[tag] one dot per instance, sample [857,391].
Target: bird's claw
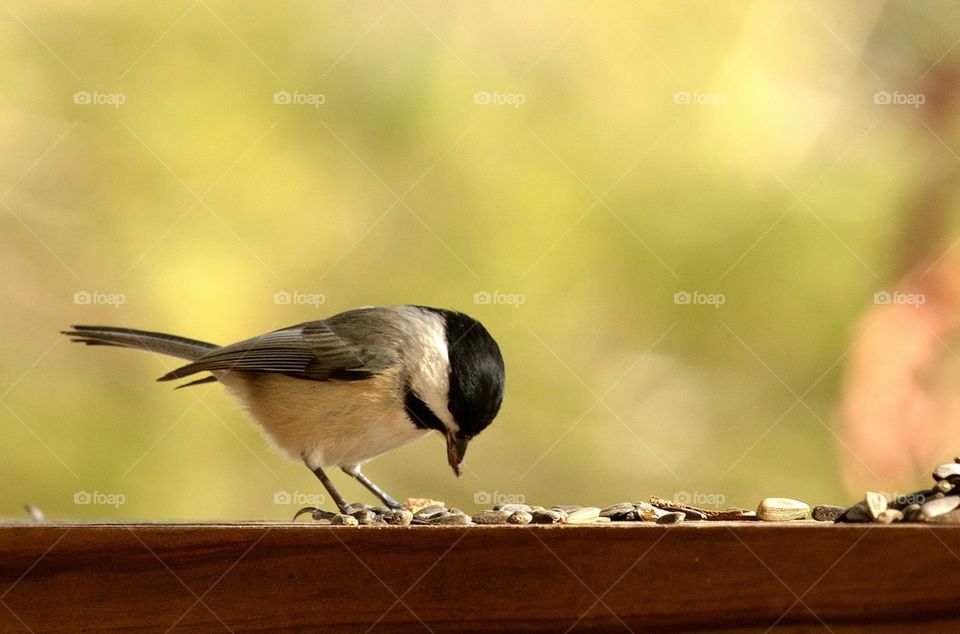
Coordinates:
[315,513]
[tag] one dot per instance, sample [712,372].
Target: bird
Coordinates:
[340,391]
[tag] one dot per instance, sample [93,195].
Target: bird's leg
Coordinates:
[388,501]
[332,490]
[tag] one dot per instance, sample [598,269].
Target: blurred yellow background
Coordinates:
[672,216]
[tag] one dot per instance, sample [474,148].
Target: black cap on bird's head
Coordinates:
[476,381]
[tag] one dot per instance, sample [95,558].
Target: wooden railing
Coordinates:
[267,576]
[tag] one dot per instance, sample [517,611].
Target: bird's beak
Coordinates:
[456,448]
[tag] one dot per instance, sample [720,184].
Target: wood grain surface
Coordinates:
[267,576]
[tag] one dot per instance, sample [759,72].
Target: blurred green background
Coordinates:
[559,170]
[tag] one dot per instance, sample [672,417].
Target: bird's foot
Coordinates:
[315,513]
[349,509]
[390,503]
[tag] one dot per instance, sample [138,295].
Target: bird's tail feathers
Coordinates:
[158,342]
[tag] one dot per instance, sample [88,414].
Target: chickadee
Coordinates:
[343,390]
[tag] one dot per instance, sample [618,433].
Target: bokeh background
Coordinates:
[560,170]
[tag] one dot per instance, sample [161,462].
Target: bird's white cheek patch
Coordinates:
[431,377]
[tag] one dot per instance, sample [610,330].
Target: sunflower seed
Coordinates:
[497,516]
[650,513]
[449,518]
[623,512]
[426,514]
[912,513]
[546,516]
[875,503]
[934,508]
[583,515]
[889,516]
[673,517]
[782,509]
[365,517]
[827,512]
[399,517]
[951,471]
[944,486]
[953,517]
[520,517]
[344,520]
[512,508]
[855,514]
[691,514]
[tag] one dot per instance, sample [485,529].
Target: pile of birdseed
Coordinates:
[432,513]
[939,504]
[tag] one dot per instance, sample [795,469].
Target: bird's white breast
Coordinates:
[326,423]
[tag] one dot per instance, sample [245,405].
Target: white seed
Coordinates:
[949,470]
[876,503]
[782,509]
[585,515]
[890,516]
[939,506]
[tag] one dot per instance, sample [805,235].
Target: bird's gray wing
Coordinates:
[344,347]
